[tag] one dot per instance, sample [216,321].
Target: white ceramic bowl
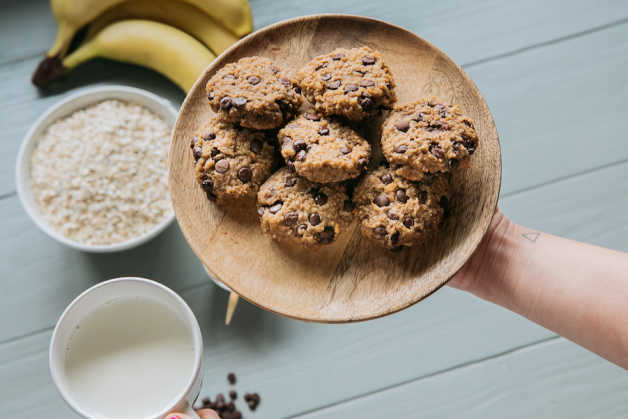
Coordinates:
[79,100]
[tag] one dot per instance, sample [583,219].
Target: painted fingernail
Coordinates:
[174,417]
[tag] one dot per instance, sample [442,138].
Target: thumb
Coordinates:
[203,413]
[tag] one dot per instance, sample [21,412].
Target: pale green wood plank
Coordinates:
[27,29]
[276,356]
[555,379]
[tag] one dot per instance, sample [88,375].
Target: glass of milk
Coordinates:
[127,348]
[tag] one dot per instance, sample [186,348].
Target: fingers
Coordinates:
[203,413]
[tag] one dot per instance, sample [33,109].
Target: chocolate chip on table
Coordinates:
[300,156]
[367,83]
[334,85]
[314,219]
[206,401]
[338,56]
[391,215]
[320,198]
[256,146]
[240,101]
[436,150]
[381,200]
[220,401]
[345,150]
[422,197]
[386,179]
[274,209]
[380,230]
[351,87]
[231,377]
[400,148]
[368,60]
[323,131]
[291,218]
[299,145]
[254,80]
[403,125]
[233,394]
[222,166]
[260,211]
[324,237]
[408,222]
[348,206]
[312,117]
[401,196]
[245,174]
[453,163]
[326,77]
[225,103]
[290,181]
[285,82]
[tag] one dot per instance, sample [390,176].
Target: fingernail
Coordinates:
[174,417]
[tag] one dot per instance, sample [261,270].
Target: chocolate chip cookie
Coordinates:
[231,162]
[427,136]
[254,93]
[395,212]
[354,83]
[322,150]
[294,210]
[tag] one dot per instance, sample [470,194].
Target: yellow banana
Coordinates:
[234,15]
[160,47]
[171,12]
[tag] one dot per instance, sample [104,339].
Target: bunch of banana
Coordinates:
[178,38]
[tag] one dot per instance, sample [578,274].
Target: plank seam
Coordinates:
[546,43]
[430,375]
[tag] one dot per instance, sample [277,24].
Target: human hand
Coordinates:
[203,413]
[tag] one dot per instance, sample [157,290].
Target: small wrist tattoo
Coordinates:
[532,236]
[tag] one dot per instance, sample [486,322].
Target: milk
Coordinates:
[129,358]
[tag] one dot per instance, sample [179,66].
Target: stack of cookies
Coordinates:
[262,124]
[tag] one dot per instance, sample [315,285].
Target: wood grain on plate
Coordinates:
[349,280]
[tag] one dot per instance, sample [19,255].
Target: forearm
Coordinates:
[577,290]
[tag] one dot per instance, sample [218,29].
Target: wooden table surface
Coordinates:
[555,77]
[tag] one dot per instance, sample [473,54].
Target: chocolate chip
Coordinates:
[394,239]
[367,83]
[443,113]
[254,80]
[348,206]
[323,131]
[338,56]
[245,174]
[453,163]
[231,377]
[320,198]
[214,151]
[291,218]
[290,166]
[334,85]
[323,65]
[206,401]
[274,209]
[403,125]
[225,103]
[207,185]
[422,197]
[345,150]
[381,200]
[436,150]
[299,145]
[467,123]
[260,211]
[222,166]
[380,230]
[366,103]
[233,394]
[359,73]
[326,77]
[400,148]
[392,215]
[401,196]
[230,407]
[469,144]
[198,152]
[326,236]
[240,101]
[192,142]
[408,222]
[435,126]
[351,87]
[314,219]
[285,82]
[387,178]
[297,89]
[290,181]
[300,230]
[210,96]
[368,60]
[301,155]
[312,117]
[362,163]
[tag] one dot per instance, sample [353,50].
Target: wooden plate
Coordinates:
[349,280]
